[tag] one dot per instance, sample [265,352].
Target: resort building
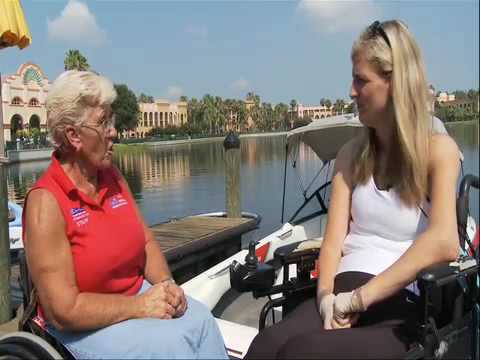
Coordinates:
[233,123]
[160,114]
[467,105]
[449,101]
[314,112]
[23,101]
[444,97]
[318,111]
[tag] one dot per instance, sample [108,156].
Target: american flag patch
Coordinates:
[118,201]
[79,216]
[78,213]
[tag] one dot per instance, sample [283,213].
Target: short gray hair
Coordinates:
[71,94]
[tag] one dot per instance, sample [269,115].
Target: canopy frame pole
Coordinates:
[284,181]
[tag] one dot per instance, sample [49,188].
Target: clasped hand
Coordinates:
[164,300]
[342,310]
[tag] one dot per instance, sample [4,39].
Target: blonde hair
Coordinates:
[69,98]
[395,52]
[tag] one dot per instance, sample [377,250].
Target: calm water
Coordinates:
[181,180]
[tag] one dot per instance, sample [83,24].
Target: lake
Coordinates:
[180,180]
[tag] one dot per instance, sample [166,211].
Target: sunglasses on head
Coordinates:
[377,29]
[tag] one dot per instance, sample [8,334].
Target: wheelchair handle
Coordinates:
[463,203]
[467,181]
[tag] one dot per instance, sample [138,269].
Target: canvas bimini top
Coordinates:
[326,136]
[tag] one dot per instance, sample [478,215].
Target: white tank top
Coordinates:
[381,229]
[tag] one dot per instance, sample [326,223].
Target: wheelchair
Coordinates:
[448,300]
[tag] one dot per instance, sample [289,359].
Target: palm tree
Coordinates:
[328,103]
[281,116]
[293,105]
[74,60]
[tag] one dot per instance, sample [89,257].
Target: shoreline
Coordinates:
[28,156]
[201,140]
[462,122]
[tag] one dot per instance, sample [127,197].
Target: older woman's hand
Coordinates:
[179,301]
[157,302]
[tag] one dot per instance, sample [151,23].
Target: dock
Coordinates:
[191,245]
[196,243]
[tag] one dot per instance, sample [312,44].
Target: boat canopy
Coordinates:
[325,136]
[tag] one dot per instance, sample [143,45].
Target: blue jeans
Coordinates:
[195,335]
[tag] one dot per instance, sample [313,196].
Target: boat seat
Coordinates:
[237,337]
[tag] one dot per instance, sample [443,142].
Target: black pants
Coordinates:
[381,332]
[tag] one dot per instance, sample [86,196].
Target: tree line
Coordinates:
[469,111]
[213,115]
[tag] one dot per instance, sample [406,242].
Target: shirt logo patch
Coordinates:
[118,201]
[79,216]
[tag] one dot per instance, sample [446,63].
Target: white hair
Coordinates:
[70,96]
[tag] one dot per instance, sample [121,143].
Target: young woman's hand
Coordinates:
[325,307]
[347,308]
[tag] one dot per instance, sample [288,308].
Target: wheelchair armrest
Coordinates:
[293,253]
[446,272]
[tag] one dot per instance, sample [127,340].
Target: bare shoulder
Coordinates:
[42,203]
[346,154]
[43,215]
[443,149]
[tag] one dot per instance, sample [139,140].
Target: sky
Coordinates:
[281,50]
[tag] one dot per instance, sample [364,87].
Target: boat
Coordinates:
[238,314]
[15,227]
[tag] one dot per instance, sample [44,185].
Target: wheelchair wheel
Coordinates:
[23,345]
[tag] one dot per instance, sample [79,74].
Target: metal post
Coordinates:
[5,305]
[284,181]
[232,175]
[2,140]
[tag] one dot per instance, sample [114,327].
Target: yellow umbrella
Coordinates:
[13,27]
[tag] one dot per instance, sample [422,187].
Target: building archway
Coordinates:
[16,123]
[34,121]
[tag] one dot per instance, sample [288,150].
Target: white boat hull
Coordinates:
[15,227]
[209,286]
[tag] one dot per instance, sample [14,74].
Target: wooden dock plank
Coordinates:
[180,237]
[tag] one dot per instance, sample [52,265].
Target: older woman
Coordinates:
[392,213]
[103,283]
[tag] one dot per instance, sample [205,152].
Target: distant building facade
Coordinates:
[318,111]
[314,112]
[23,100]
[449,101]
[444,97]
[160,114]
[467,105]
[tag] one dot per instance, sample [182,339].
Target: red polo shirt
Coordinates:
[106,236]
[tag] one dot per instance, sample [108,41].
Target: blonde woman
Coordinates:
[392,213]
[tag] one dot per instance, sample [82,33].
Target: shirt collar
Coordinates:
[69,188]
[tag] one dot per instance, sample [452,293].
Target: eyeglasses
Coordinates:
[376,28]
[107,124]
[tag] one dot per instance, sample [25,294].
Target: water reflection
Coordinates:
[180,180]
